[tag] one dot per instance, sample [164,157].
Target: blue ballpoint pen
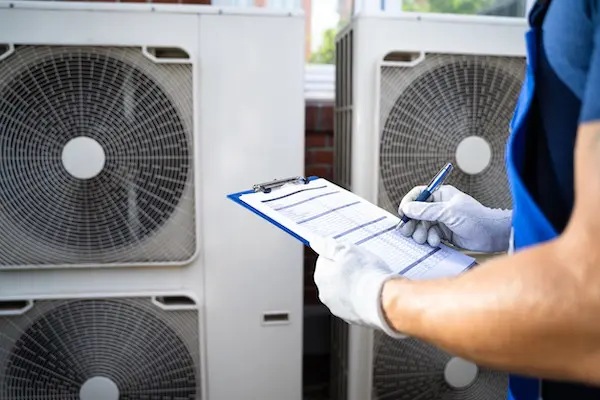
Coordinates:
[434,185]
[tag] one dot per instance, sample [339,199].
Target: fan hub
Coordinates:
[83,157]
[460,373]
[473,155]
[99,388]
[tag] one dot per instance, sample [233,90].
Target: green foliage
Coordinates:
[326,53]
[447,6]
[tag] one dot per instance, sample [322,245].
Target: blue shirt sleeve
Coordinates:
[590,105]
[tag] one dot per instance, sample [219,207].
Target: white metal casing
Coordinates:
[368,38]
[248,128]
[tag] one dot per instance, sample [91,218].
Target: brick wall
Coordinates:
[319,162]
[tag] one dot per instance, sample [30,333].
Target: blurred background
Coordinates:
[260,87]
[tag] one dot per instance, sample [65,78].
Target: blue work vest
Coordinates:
[530,225]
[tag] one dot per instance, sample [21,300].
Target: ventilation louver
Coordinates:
[96,157]
[409,369]
[110,349]
[343,110]
[447,108]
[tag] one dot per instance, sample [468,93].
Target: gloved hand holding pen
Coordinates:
[457,218]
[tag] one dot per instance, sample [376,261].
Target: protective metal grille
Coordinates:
[342,176]
[448,108]
[126,349]
[342,137]
[96,157]
[339,359]
[409,369]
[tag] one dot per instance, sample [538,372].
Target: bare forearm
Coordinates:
[531,313]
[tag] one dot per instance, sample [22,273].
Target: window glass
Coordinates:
[284,4]
[508,8]
[325,18]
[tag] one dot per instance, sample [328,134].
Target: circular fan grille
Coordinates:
[448,109]
[78,345]
[409,369]
[94,153]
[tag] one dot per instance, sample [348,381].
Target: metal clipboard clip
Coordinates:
[277,183]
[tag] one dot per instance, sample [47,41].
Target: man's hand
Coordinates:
[350,280]
[453,216]
[534,312]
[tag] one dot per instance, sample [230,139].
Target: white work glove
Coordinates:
[455,217]
[349,282]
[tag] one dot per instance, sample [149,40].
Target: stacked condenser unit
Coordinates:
[125,272]
[413,92]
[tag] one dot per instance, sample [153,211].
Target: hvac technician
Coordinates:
[536,312]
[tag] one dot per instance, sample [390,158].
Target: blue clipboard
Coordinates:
[266,188]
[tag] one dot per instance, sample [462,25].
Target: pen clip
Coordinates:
[277,183]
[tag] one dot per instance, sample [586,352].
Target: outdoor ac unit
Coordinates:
[413,92]
[124,269]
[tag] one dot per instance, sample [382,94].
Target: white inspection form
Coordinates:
[323,209]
